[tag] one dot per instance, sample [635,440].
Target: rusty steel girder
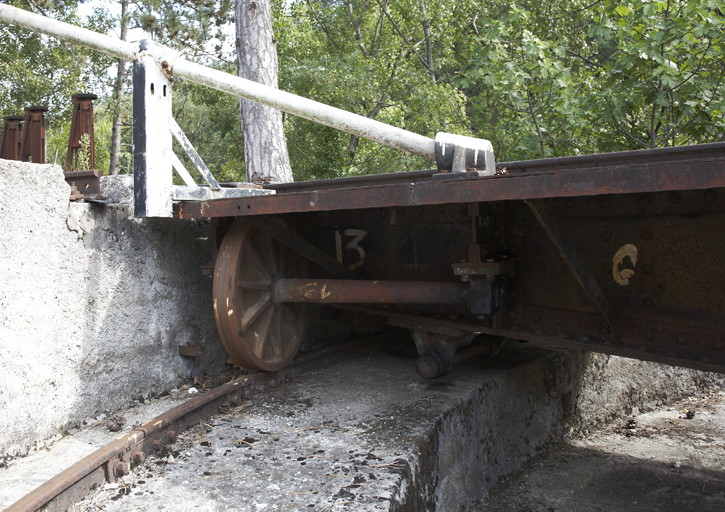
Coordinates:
[617,253]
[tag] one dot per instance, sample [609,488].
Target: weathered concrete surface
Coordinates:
[369,434]
[93,305]
[661,461]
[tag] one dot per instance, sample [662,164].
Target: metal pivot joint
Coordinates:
[463,156]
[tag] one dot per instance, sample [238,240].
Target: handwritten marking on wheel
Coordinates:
[623,276]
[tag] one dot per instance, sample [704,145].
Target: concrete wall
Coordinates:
[507,419]
[93,304]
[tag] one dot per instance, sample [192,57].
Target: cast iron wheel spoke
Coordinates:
[256,263]
[252,313]
[275,342]
[260,333]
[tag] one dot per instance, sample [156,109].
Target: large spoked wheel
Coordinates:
[257,333]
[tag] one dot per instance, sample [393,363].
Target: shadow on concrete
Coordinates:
[584,479]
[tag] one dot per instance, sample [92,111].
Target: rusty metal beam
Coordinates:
[545,340]
[687,168]
[576,265]
[275,229]
[338,291]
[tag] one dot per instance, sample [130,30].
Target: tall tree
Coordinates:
[265,146]
[118,95]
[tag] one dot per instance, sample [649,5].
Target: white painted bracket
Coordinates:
[152,162]
[154,158]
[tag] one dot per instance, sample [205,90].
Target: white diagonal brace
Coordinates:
[191,152]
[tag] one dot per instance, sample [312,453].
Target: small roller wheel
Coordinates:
[256,332]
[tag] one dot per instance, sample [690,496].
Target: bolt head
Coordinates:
[138,457]
[122,468]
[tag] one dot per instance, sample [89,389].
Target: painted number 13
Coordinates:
[357,235]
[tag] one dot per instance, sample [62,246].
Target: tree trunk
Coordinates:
[118,96]
[265,147]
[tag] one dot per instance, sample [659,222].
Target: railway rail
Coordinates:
[118,458]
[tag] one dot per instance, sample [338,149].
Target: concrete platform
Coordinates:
[369,434]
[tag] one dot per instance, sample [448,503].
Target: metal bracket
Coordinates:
[576,265]
[458,156]
[154,158]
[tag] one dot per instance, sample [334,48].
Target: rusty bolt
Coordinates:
[675,197]
[648,301]
[121,468]
[606,235]
[649,335]
[536,318]
[138,457]
[157,444]
[710,195]
[681,339]
[171,436]
[165,65]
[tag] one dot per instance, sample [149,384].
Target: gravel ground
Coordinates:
[671,459]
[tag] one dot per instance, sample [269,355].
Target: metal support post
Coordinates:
[152,162]
[12,137]
[33,142]
[81,124]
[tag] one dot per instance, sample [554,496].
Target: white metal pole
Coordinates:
[179,66]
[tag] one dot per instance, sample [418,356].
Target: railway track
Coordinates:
[121,456]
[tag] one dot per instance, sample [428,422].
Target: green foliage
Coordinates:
[538,79]
[584,78]
[38,70]
[84,153]
[210,120]
[360,63]
[663,83]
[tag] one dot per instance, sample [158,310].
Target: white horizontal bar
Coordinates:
[293,104]
[180,193]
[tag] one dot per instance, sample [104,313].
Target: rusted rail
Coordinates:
[119,457]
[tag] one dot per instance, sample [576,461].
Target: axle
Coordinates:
[340,291]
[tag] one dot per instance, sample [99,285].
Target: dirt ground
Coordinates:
[671,459]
